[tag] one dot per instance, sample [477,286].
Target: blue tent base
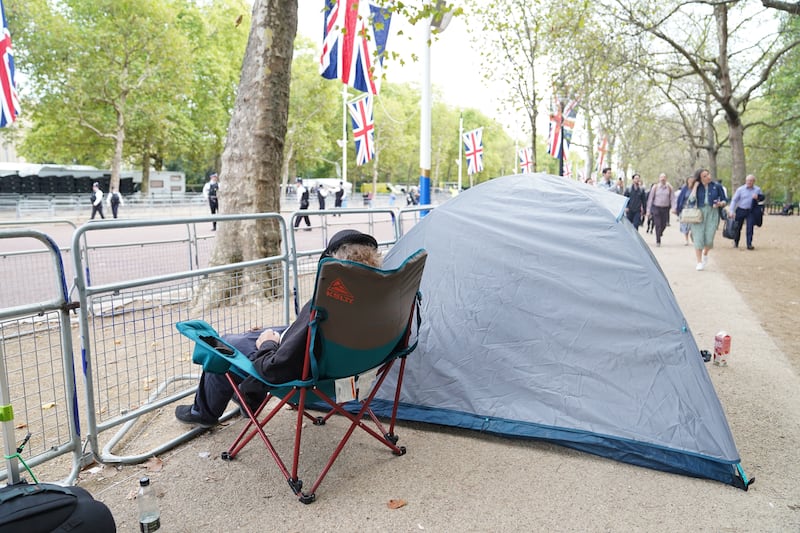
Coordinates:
[623,450]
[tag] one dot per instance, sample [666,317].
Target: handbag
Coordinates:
[691,215]
[729,228]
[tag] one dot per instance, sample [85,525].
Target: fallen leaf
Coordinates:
[20,426]
[396,503]
[238,21]
[154,464]
[117,342]
[48,405]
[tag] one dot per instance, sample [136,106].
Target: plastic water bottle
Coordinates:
[149,515]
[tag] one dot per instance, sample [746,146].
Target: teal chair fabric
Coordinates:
[361,323]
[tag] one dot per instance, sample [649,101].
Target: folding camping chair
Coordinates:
[361,323]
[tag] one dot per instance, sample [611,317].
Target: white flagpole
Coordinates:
[460,146]
[344,138]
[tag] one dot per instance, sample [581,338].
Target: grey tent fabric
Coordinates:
[546,316]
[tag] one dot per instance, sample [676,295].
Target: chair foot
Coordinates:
[319,421]
[401,452]
[307,498]
[226,456]
[391,437]
[296,485]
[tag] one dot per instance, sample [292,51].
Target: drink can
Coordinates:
[722,348]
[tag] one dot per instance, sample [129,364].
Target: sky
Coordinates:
[455,66]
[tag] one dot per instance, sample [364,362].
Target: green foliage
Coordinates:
[774,148]
[159,74]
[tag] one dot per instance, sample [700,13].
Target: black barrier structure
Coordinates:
[37,376]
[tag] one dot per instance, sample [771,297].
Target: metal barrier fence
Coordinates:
[37,376]
[19,258]
[135,362]
[135,279]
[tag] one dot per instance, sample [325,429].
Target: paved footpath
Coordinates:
[457,480]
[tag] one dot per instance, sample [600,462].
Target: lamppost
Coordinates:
[438,22]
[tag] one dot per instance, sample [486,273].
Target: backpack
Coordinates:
[46,507]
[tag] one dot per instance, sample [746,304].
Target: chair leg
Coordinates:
[392,421]
[256,427]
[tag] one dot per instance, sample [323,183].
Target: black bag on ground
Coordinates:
[729,228]
[45,507]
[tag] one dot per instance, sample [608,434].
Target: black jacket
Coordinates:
[638,198]
[279,363]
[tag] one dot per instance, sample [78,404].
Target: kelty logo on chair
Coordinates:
[338,291]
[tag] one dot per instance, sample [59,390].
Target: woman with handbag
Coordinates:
[680,203]
[710,197]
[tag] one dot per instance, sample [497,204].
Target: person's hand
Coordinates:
[267,335]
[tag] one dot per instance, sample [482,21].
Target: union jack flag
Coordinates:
[363,128]
[561,126]
[9,100]
[567,168]
[353,42]
[525,160]
[473,150]
[602,148]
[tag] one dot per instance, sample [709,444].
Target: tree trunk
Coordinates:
[252,160]
[145,185]
[736,137]
[732,116]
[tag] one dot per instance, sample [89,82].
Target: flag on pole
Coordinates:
[567,168]
[9,100]
[353,42]
[525,160]
[602,149]
[473,150]
[363,128]
[561,125]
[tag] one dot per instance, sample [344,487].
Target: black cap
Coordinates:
[213,175]
[348,236]
[95,184]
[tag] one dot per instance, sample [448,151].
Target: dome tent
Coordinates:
[530,329]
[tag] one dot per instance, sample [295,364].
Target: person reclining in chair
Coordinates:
[278,357]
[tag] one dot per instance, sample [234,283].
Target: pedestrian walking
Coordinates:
[302,196]
[710,197]
[97,201]
[637,202]
[745,209]
[606,183]
[211,194]
[115,200]
[659,202]
[680,203]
